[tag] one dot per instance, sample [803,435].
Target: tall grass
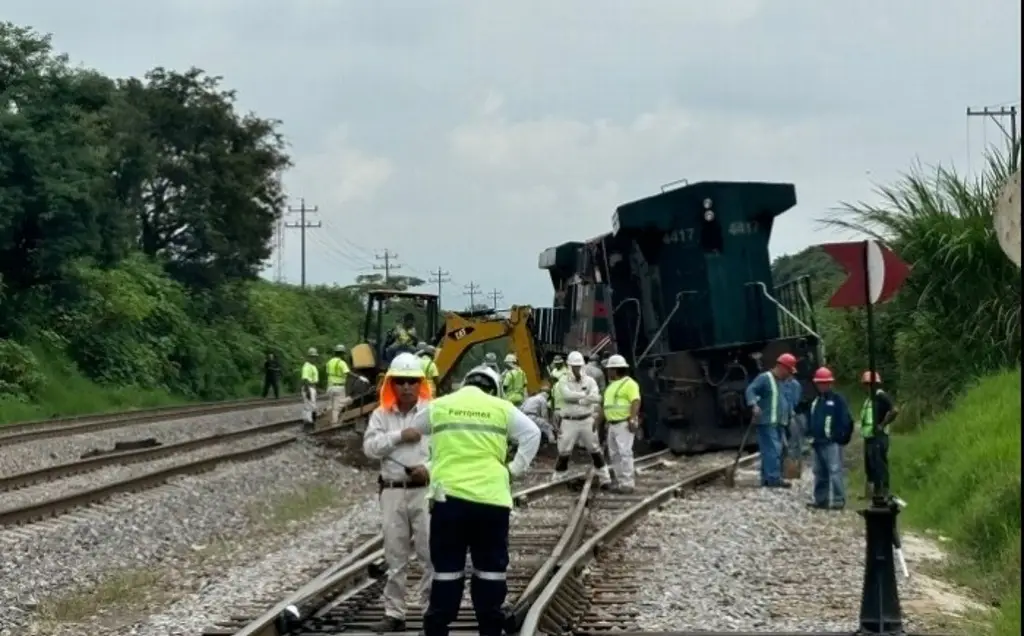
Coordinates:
[961,475]
[959,313]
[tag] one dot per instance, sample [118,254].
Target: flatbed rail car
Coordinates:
[682,287]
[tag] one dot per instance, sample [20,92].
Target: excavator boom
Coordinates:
[461,333]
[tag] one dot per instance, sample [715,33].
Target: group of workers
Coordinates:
[774,398]
[451,495]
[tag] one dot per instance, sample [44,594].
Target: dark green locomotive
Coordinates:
[682,287]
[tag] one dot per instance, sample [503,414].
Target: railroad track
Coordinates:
[37,510]
[550,521]
[62,427]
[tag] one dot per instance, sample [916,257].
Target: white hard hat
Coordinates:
[490,357]
[511,359]
[339,348]
[575,359]
[616,362]
[311,352]
[405,365]
[485,378]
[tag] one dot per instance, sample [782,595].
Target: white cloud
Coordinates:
[339,174]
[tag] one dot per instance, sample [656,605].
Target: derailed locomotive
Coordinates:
[682,287]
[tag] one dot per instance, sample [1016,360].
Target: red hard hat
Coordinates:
[787,360]
[865,378]
[824,376]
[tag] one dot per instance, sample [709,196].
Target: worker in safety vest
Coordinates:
[403,483]
[577,393]
[310,380]
[337,374]
[430,373]
[770,412]
[470,431]
[830,427]
[876,436]
[513,380]
[621,413]
[537,409]
[557,370]
[401,338]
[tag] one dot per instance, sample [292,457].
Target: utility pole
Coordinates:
[303,225]
[495,296]
[388,257]
[440,276]
[996,115]
[471,290]
[279,250]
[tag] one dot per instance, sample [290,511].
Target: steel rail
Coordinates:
[57,505]
[352,575]
[122,458]
[66,427]
[547,610]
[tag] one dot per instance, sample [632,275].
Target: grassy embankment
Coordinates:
[961,474]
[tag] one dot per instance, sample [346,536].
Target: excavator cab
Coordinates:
[386,311]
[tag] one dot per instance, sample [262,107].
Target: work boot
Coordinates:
[390,624]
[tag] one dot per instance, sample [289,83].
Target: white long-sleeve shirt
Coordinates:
[578,396]
[536,406]
[521,430]
[383,440]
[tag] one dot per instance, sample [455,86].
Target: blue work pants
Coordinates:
[769,443]
[458,526]
[829,486]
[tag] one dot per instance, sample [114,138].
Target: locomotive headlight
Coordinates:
[709,215]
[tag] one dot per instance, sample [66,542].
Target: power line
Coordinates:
[996,115]
[495,296]
[388,257]
[471,290]
[303,225]
[440,276]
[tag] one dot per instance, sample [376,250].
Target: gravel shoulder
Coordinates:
[19,458]
[752,559]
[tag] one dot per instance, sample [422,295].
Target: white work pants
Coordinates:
[582,431]
[620,452]
[336,401]
[405,520]
[309,406]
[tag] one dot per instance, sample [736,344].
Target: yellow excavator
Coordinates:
[453,334]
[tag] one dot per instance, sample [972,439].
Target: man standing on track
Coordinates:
[403,480]
[310,380]
[337,374]
[578,394]
[470,431]
[769,407]
[831,427]
[620,413]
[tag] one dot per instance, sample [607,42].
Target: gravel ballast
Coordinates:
[33,455]
[160,529]
[753,559]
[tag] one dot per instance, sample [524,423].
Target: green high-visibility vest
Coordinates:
[828,419]
[618,397]
[867,418]
[337,371]
[514,385]
[469,443]
[773,399]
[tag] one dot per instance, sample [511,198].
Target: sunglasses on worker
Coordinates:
[405,381]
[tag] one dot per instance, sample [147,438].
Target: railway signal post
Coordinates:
[875,275]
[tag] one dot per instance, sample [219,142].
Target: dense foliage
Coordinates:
[135,216]
[958,315]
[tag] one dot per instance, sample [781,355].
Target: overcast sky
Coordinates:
[473,134]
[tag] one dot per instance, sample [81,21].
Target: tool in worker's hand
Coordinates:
[407,469]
